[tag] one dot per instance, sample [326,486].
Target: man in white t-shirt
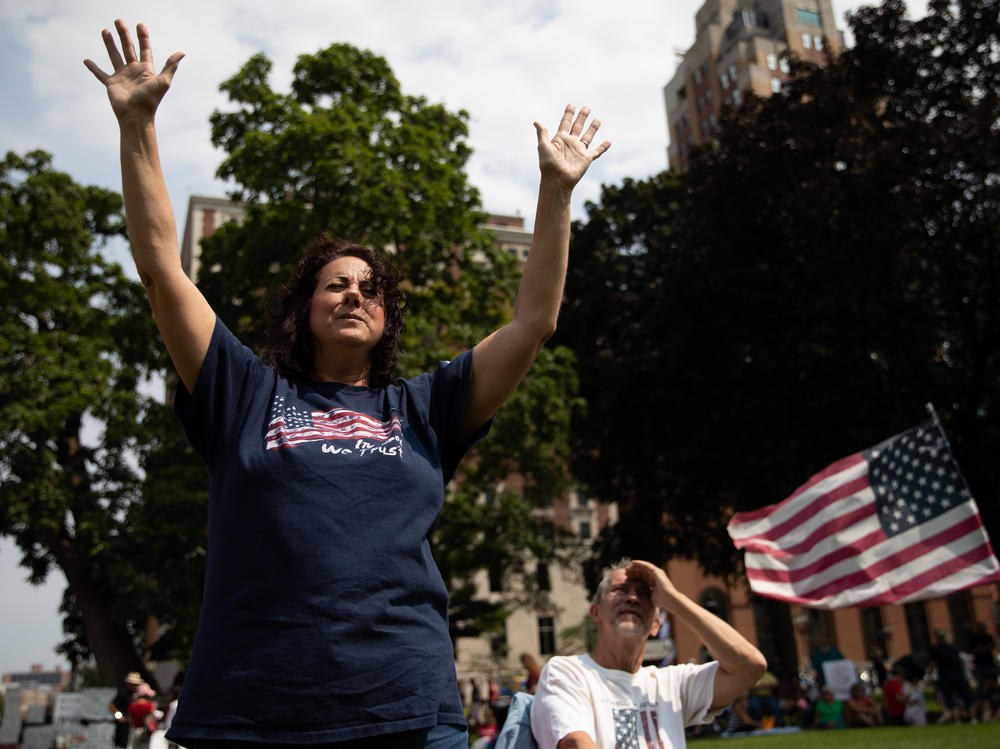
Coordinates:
[608,700]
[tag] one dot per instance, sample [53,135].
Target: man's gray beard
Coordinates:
[632,629]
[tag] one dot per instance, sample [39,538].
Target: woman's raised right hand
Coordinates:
[135,89]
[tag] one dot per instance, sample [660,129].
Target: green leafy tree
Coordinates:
[348,153]
[78,440]
[76,340]
[825,268]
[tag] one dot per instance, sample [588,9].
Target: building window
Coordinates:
[701,104]
[585,529]
[546,635]
[708,97]
[820,628]
[772,61]
[737,97]
[873,631]
[712,121]
[537,496]
[732,73]
[960,612]
[496,580]
[807,40]
[704,127]
[714,600]
[817,42]
[542,572]
[775,85]
[697,75]
[810,17]
[724,80]
[916,624]
[498,643]
[783,65]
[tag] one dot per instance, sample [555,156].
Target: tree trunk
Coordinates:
[109,640]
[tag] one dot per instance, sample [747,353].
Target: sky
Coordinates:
[506,63]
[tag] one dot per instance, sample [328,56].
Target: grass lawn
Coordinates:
[889,737]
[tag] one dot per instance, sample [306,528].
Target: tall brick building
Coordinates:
[741,47]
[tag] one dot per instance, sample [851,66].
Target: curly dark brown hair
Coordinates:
[288,344]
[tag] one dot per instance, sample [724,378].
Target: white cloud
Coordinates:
[505,63]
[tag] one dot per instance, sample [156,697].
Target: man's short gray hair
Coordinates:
[602,587]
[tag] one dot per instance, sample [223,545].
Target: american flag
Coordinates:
[626,735]
[627,723]
[291,426]
[892,524]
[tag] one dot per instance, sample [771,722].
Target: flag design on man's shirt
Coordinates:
[291,426]
[892,524]
[627,724]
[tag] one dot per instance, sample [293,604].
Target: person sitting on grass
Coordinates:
[829,712]
[763,700]
[792,701]
[861,710]
[739,719]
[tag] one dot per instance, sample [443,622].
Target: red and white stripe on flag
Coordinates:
[891,524]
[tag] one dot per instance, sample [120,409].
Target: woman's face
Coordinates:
[346,309]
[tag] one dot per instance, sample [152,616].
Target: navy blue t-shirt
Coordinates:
[324,616]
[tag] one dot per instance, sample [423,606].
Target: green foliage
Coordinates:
[168,535]
[348,153]
[824,269]
[76,340]
[578,638]
[345,152]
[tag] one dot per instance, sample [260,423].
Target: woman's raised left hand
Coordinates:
[568,154]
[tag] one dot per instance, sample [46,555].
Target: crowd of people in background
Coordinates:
[139,712]
[964,686]
[486,701]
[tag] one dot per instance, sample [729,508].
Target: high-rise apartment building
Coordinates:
[741,47]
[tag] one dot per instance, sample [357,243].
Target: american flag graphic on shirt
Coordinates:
[627,725]
[291,426]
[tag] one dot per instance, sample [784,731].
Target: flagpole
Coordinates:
[958,468]
[930,409]
[954,460]
[947,444]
